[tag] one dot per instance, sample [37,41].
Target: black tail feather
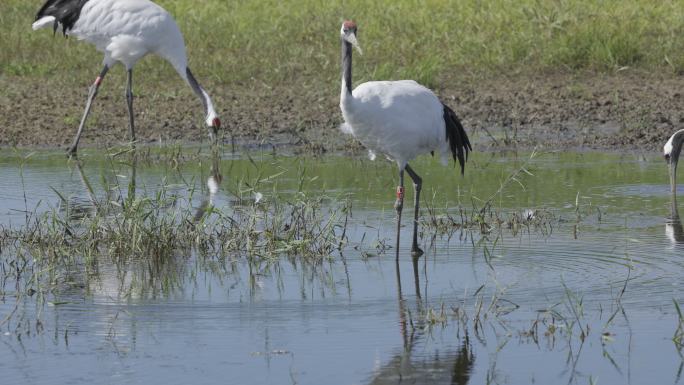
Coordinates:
[457,137]
[66,12]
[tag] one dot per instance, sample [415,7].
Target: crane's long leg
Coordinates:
[91,95]
[417,186]
[399,205]
[129,102]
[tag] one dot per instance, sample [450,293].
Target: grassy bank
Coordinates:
[273,43]
[529,72]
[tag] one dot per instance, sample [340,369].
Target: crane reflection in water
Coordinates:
[450,367]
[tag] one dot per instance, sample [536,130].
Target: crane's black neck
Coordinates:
[196,87]
[347,65]
[198,90]
[677,144]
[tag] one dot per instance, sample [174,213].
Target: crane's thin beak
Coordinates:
[351,38]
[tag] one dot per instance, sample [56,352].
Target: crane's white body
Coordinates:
[400,119]
[127,30]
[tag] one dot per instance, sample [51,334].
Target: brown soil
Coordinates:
[619,111]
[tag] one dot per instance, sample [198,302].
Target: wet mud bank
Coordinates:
[616,111]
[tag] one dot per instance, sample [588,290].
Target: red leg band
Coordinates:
[400,192]
[98,81]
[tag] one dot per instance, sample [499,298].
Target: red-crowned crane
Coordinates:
[671,152]
[401,120]
[125,31]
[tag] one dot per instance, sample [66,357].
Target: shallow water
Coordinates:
[359,317]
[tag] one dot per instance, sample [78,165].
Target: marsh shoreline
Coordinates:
[624,110]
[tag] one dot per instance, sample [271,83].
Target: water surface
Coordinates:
[465,312]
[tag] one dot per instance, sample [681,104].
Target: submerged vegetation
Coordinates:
[133,229]
[119,223]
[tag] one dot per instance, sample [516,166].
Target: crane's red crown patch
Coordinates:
[348,24]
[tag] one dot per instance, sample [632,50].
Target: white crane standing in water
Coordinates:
[671,152]
[401,120]
[125,31]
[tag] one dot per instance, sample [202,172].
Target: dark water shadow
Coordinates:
[111,278]
[77,207]
[411,367]
[673,225]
